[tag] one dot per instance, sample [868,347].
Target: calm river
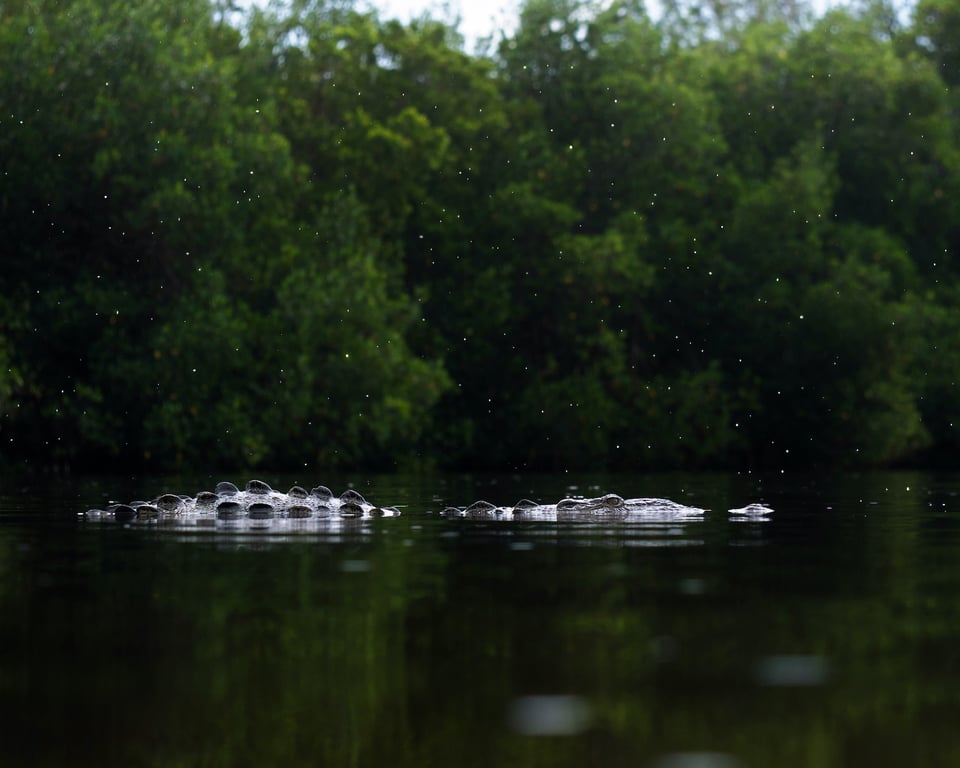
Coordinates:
[826,636]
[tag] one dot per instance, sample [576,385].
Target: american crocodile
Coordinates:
[259,506]
[609,508]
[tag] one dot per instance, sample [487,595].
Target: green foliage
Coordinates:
[307,235]
[937,30]
[164,237]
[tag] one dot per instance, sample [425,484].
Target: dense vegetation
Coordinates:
[307,235]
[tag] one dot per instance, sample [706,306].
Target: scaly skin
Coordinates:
[258,506]
[609,507]
[257,502]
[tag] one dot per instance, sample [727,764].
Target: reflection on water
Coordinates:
[792,670]
[550,715]
[698,760]
[823,634]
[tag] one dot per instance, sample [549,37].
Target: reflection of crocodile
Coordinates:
[257,503]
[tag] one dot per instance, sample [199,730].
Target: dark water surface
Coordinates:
[826,636]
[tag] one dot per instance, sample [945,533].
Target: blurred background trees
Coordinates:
[308,236]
